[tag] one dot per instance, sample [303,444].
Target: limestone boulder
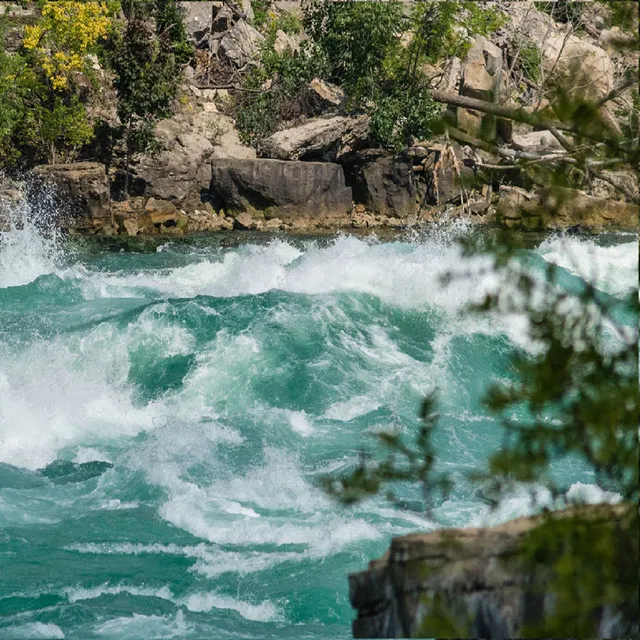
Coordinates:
[582,68]
[181,172]
[573,63]
[536,142]
[321,97]
[284,42]
[481,73]
[481,79]
[563,208]
[198,18]
[240,44]
[325,139]
[282,189]
[81,190]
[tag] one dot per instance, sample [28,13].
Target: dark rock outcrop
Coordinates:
[384,184]
[474,579]
[279,188]
[81,190]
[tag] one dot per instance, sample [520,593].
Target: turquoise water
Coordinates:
[197,393]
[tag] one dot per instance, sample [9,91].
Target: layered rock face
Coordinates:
[280,188]
[82,191]
[475,580]
[383,184]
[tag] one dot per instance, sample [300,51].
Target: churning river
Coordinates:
[165,418]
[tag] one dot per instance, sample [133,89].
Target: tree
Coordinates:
[579,393]
[49,85]
[146,80]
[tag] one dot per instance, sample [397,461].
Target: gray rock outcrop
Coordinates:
[475,583]
[181,172]
[384,184]
[279,188]
[198,17]
[240,44]
[81,189]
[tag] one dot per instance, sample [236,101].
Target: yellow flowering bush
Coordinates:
[67,32]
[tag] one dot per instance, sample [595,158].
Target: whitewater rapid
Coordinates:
[221,384]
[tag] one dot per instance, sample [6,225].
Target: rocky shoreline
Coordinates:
[323,170]
[479,578]
[292,197]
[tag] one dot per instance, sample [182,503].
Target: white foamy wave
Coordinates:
[210,560]
[80,397]
[322,533]
[33,631]
[582,493]
[198,602]
[117,505]
[30,247]
[530,500]
[351,408]
[140,626]
[75,389]
[263,612]
[613,269]
[405,274]
[77,594]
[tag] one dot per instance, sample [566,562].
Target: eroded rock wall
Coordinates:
[472,583]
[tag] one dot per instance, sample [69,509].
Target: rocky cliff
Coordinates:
[475,583]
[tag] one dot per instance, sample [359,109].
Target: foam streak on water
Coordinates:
[220,384]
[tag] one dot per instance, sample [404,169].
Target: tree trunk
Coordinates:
[127,161]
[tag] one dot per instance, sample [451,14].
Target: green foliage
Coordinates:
[289,23]
[382,72]
[146,81]
[445,29]
[275,91]
[622,14]
[355,38]
[398,117]
[12,104]
[580,390]
[563,10]
[529,60]
[412,462]
[45,88]
[593,558]
[171,28]
[64,126]
[260,11]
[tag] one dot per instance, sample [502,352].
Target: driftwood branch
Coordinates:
[235,87]
[616,91]
[500,110]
